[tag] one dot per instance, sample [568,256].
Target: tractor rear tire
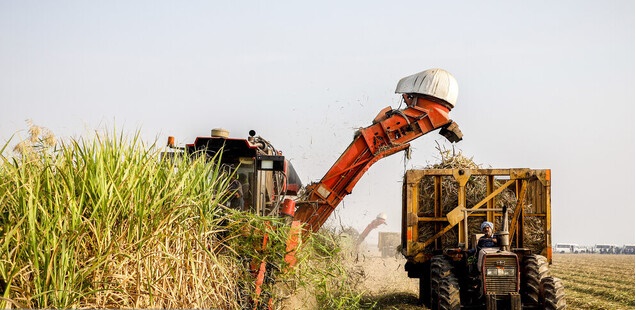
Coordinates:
[448,293]
[552,294]
[535,268]
[440,270]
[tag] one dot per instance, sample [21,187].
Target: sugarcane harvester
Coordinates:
[429,96]
[272,181]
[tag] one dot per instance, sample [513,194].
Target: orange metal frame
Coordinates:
[390,133]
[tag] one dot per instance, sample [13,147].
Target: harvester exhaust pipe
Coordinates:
[503,235]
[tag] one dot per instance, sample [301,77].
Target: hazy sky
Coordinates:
[542,84]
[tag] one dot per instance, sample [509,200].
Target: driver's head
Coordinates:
[487,227]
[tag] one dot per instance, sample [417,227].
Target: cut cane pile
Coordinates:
[476,191]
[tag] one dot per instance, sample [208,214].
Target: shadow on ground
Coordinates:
[398,300]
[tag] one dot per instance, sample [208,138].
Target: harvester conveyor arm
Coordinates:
[390,133]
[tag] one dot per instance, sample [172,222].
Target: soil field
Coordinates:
[592,281]
[596,281]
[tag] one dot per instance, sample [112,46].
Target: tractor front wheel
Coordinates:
[552,294]
[535,268]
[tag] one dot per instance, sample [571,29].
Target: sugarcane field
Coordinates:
[329,155]
[336,269]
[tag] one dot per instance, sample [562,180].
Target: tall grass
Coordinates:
[330,275]
[106,223]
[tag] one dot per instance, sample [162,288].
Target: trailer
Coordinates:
[442,210]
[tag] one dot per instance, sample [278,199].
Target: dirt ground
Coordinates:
[589,284]
[385,283]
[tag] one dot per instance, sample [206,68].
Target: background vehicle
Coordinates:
[388,243]
[442,210]
[606,248]
[628,249]
[379,220]
[566,248]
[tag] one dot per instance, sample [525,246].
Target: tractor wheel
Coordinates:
[449,294]
[535,268]
[437,263]
[440,269]
[552,294]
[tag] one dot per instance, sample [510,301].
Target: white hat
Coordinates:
[489,224]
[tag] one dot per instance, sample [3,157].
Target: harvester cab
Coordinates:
[265,177]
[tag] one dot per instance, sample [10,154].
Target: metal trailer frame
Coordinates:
[531,187]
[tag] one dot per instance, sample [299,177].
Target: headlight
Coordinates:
[502,272]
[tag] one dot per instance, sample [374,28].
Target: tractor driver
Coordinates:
[246,191]
[487,240]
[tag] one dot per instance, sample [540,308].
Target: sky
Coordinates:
[542,84]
